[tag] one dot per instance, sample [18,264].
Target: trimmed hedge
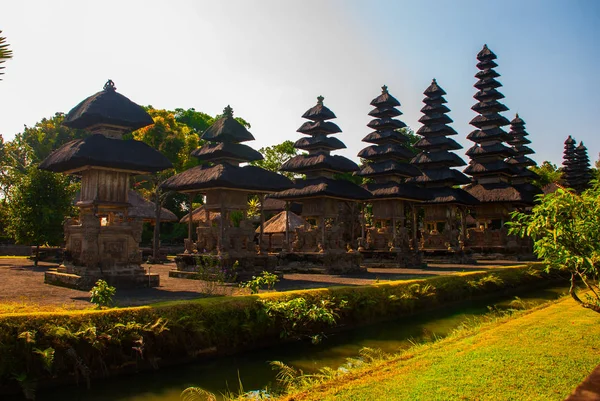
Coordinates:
[83,344]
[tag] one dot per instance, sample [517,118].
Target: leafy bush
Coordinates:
[101,294]
[266,279]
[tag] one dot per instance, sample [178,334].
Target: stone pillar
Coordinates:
[262,223]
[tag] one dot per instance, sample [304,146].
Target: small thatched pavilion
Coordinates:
[226,186]
[387,164]
[445,214]
[277,227]
[103,241]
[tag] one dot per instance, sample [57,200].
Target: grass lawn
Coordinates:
[542,354]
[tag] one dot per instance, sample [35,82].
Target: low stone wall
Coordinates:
[15,250]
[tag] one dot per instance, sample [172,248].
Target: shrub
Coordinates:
[101,294]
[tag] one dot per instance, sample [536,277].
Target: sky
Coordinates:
[270,59]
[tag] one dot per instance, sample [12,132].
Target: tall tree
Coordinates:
[37,206]
[5,52]
[275,156]
[547,173]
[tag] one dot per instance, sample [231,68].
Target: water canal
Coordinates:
[220,374]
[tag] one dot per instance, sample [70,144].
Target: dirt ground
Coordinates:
[22,285]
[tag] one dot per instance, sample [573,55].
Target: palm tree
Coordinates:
[5,52]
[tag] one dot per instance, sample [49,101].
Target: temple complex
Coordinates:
[327,240]
[445,214]
[226,186]
[569,166]
[103,241]
[491,173]
[523,176]
[393,228]
[583,168]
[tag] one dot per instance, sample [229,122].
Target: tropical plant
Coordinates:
[266,279]
[275,156]
[102,294]
[565,228]
[547,173]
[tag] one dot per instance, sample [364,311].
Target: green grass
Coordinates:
[539,355]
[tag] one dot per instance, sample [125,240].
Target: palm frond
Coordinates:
[5,52]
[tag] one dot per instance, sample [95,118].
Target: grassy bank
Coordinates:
[542,354]
[42,347]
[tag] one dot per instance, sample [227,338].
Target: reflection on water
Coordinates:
[253,369]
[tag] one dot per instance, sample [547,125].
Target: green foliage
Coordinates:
[275,156]
[266,279]
[5,52]
[547,173]
[565,228]
[196,120]
[101,294]
[88,343]
[412,139]
[37,206]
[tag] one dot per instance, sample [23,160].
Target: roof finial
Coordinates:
[384,89]
[109,86]
[434,82]
[320,100]
[517,116]
[228,111]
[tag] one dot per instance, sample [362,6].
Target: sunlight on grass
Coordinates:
[26,306]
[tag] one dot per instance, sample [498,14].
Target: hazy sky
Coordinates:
[271,59]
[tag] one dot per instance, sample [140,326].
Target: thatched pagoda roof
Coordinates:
[440,157]
[323,187]
[319,161]
[109,108]
[226,151]
[385,99]
[386,151]
[319,127]
[489,168]
[438,175]
[385,111]
[199,215]
[278,205]
[491,149]
[100,151]
[227,129]
[225,175]
[319,142]
[448,195]
[437,142]
[277,224]
[488,134]
[433,130]
[385,124]
[500,192]
[387,136]
[389,168]
[392,190]
[318,112]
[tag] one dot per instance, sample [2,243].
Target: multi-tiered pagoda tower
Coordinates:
[570,172]
[227,186]
[520,162]
[103,241]
[388,166]
[583,168]
[323,197]
[444,227]
[491,174]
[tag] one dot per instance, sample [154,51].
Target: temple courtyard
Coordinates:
[22,285]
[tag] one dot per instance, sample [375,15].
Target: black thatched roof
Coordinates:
[385,124]
[440,175]
[110,108]
[319,142]
[488,134]
[385,111]
[489,106]
[100,151]
[278,205]
[319,112]
[225,175]
[489,119]
[385,99]
[487,168]
[486,54]
[441,157]
[226,151]
[436,130]
[387,151]
[500,192]
[319,127]
[319,161]
[437,142]
[382,137]
[323,187]
[389,168]
[446,195]
[392,190]
[227,129]
[495,148]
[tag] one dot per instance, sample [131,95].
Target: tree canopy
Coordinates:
[275,156]
[547,173]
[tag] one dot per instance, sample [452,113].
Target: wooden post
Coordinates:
[287,225]
[262,223]
[190,199]
[222,228]
[394,226]
[363,221]
[414,226]
[323,230]
[463,224]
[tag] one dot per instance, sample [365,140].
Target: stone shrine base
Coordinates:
[84,279]
[314,262]
[449,257]
[200,266]
[394,259]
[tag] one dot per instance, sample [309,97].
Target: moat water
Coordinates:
[223,374]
